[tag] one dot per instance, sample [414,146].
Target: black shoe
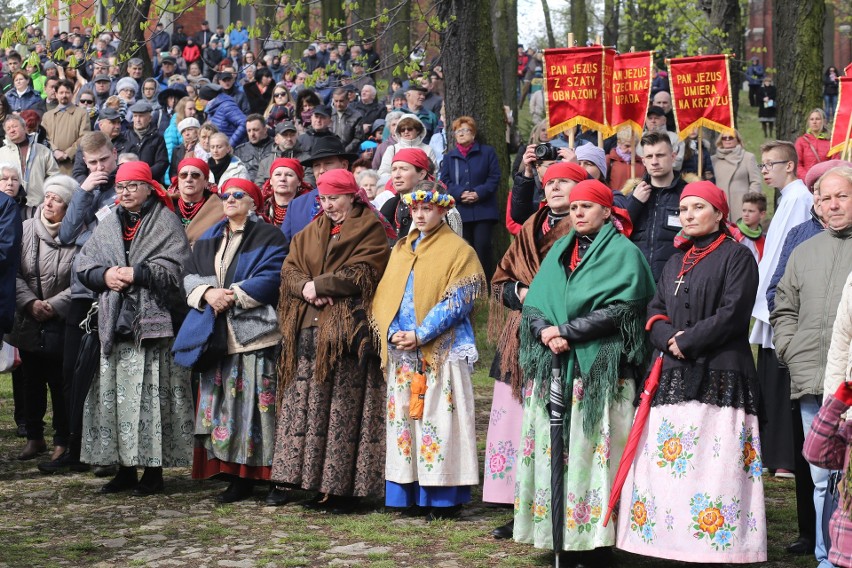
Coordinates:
[63,464]
[416,511]
[343,505]
[504,532]
[239,490]
[125,480]
[278,496]
[441,513]
[151,482]
[105,470]
[318,503]
[21,431]
[801,546]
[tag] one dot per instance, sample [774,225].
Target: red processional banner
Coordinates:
[578,88]
[701,93]
[841,130]
[631,90]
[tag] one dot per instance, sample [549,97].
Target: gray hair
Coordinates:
[369,88]
[6,166]
[17,118]
[127,157]
[395,115]
[365,174]
[843,172]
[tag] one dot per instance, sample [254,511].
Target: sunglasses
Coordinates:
[238,195]
[407,129]
[280,94]
[728,138]
[87,102]
[193,175]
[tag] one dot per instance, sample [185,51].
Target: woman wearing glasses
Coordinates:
[471,173]
[138,411]
[736,171]
[231,336]
[194,203]
[280,107]
[409,133]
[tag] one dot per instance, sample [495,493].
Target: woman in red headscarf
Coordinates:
[231,336]
[193,206]
[285,183]
[585,306]
[700,474]
[330,433]
[138,411]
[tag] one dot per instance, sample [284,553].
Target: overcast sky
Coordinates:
[531,19]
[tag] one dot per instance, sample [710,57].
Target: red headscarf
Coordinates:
[338,182]
[596,192]
[564,170]
[195,163]
[294,165]
[247,186]
[709,192]
[141,171]
[414,156]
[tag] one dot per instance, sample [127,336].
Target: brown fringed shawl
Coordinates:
[355,261]
[520,264]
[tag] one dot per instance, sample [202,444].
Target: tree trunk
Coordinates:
[472,81]
[333,16]
[504,19]
[726,15]
[551,40]
[127,16]
[366,9]
[579,21]
[798,27]
[396,33]
[612,9]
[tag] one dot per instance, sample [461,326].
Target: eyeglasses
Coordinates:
[407,129]
[193,175]
[129,188]
[281,94]
[768,165]
[87,102]
[238,195]
[464,131]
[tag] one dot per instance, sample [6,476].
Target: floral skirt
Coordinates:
[138,411]
[235,422]
[695,491]
[501,446]
[330,436]
[590,465]
[439,450]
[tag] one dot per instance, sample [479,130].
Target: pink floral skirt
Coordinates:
[501,446]
[695,491]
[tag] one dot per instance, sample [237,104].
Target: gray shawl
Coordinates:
[160,244]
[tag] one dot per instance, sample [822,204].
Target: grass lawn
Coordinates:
[61,521]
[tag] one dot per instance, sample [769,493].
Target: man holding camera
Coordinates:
[654,205]
[527,192]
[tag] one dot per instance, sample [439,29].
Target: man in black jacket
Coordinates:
[654,206]
[285,147]
[258,146]
[146,142]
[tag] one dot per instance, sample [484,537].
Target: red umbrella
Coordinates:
[651,384]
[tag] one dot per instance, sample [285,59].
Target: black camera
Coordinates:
[545,151]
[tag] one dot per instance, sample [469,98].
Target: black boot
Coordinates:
[151,482]
[124,480]
[504,532]
[238,490]
[278,496]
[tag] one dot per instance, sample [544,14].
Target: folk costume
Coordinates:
[330,434]
[430,286]
[199,216]
[595,288]
[515,271]
[695,491]
[138,411]
[235,419]
[274,212]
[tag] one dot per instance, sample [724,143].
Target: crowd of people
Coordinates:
[273,284]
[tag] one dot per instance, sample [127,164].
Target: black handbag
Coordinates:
[51,332]
[126,317]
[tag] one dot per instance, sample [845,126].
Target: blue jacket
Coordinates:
[29,100]
[479,172]
[11,230]
[300,213]
[228,118]
[238,37]
[797,235]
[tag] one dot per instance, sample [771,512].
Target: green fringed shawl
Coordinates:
[612,275]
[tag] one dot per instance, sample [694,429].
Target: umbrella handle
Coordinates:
[654,319]
[555,363]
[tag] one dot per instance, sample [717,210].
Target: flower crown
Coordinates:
[444,200]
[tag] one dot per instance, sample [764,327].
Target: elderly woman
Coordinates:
[231,336]
[471,173]
[189,129]
[330,435]
[368,180]
[409,133]
[583,312]
[812,147]
[622,165]
[138,411]
[285,183]
[422,309]
[43,293]
[223,164]
[10,184]
[736,171]
[695,493]
[194,203]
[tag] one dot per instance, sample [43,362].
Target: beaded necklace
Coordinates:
[188,210]
[278,213]
[695,255]
[130,230]
[335,230]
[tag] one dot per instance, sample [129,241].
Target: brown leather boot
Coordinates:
[32,449]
